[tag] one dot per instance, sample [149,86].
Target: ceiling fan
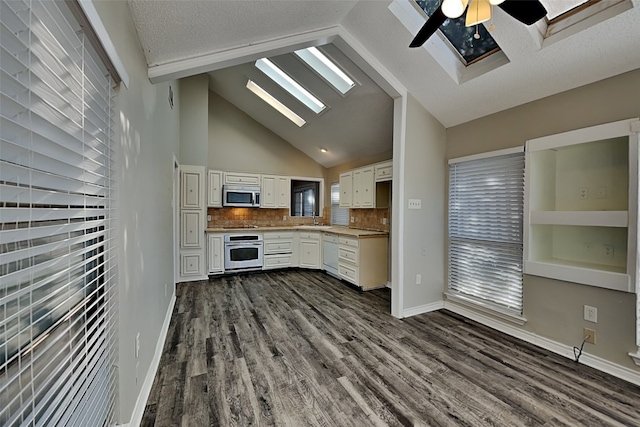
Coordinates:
[525,11]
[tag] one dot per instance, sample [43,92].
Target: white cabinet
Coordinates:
[214,189]
[237,178]
[191,230]
[192,214]
[346,189]
[309,252]
[383,171]
[275,191]
[192,187]
[278,249]
[581,206]
[215,248]
[363,261]
[363,188]
[190,264]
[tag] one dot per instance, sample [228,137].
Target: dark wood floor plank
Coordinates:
[299,348]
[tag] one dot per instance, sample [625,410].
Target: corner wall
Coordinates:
[554,309]
[148,138]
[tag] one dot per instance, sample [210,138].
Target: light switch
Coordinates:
[415,203]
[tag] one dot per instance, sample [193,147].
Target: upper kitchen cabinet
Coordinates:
[275,191]
[363,188]
[384,171]
[214,189]
[346,189]
[235,178]
[192,187]
[581,206]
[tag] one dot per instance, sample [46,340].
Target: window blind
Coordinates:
[485,231]
[58,300]
[339,216]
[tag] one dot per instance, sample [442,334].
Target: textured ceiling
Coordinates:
[173,30]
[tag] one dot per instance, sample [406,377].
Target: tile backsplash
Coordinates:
[366,219]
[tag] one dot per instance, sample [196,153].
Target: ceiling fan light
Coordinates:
[496,2]
[454,8]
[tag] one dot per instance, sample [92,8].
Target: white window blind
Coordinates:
[58,303]
[485,231]
[339,216]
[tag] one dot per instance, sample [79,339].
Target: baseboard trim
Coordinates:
[421,309]
[587,359]
[143,396]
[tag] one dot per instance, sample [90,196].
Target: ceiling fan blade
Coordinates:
[430,27]
[525,11]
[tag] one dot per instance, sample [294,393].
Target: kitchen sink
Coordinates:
[314,227]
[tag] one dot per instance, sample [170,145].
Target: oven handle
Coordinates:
[241,245]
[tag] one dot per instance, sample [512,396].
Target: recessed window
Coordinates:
[287,83]
[559,9]
[326,68]
[277,105]
[461,37]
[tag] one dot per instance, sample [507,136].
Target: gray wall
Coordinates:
[424,230]
[239,143]
[554,309]
[147,141]
[194,120]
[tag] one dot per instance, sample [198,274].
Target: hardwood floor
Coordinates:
[299,348]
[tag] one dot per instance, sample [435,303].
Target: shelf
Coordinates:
[603,276]
[581,218]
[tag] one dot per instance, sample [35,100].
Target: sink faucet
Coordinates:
[315,220]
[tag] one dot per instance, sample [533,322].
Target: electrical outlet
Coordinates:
[607,250]
[590,335]
[384,221]
[583,193]
[353,219]
[208,217]
[284,217]
[137,369]
[418,279]
[590,314]
[415,204]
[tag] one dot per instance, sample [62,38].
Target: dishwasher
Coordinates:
[330,253]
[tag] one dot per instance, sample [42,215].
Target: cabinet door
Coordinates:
[234,178]
[384,171]
[363,182]
[268,192]
[284,192]
[191,178]
[346,188]
[216,265]
[309,254]
[191,229]
[214,192]
[190,264]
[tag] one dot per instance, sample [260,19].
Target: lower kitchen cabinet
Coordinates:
[364,261]
[215,251]
[309,250]
[190,264]
[278,250]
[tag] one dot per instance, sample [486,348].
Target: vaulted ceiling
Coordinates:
[172,31]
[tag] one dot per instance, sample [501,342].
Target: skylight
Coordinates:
[556,8]
[462,38]
[290,85]
[279,106]
[326,68]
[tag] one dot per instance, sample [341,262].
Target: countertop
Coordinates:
[345,231]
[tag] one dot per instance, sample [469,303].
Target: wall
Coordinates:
[194,117]
[240,144]
[424,230]
[148,139]
[554,309]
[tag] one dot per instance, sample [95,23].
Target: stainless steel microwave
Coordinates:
[241,196]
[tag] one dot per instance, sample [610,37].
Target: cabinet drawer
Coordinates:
[241,178]
[349,242]
[309,236]
[278,235]
[277,261]
[348,254]
[348,272]
[278,247]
